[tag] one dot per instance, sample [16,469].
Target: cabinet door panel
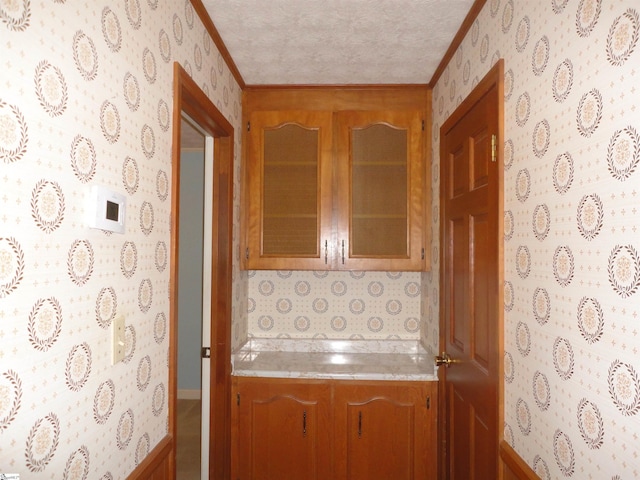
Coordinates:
[380,440]
[283,430]
[379,196]
[385,431]
[283,438]
[289,190]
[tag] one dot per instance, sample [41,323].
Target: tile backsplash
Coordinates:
[365,305]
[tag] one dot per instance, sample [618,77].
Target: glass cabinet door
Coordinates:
[290,200]
[380,174]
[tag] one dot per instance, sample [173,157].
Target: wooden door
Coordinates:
[471,300]
[283,430]
[379,190]
[384,431]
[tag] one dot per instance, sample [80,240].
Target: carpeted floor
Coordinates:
[188,449]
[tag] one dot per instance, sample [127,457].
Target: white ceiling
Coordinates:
[293,42]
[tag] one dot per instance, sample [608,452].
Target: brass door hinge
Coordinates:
[493,148]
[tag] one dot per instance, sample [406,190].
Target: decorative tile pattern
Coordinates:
[571,224]
[86,100]
[334,305]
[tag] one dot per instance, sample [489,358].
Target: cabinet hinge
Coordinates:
[422,253]
[248,126]
[238,399]
[428,403]
[493,148]
[246,253]
[423,125]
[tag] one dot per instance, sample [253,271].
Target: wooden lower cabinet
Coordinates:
[280,429]
[339,430]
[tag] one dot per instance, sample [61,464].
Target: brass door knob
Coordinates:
[443,359]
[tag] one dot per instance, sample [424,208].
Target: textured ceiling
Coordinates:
[336,42]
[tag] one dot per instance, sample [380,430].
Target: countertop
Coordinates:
[334,359]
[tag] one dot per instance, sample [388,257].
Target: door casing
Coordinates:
[190,99]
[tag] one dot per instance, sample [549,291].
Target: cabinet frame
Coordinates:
[338,99]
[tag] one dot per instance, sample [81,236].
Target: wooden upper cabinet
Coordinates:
[379,190]
[289,187]
[336,183]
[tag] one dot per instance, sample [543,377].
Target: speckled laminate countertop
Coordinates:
[334,359]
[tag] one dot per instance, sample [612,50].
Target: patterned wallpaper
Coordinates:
[356,305]
[571,223]
[86,99]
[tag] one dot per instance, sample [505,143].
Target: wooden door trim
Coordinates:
[493,79]
[514,464]
[189,98]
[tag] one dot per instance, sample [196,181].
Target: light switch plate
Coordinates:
[117,340]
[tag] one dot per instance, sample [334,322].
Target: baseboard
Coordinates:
[186,394]
[158,464]
[513,466]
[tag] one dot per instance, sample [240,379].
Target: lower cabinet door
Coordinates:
[384,431]
[283,431]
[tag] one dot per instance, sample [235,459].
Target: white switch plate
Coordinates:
[117,340]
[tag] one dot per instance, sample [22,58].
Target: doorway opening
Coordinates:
[205,266]
[194,300]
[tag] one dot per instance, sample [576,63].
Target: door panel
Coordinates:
[380,440]
[283,438]
[470,279]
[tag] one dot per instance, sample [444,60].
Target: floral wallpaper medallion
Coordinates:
[124,432]
[111,29]
[160,328]
[563,451]
[142,448]
[144,373]
[590,319]
[158,399]
[16,15]
[42,442]
[563,358]
[110,121]
[562,81]
[624,387]
[83,158]
[128,259]
[10,398]
[85,55]
[78,366]
[624,270]
[589,112]
[591,424]
[106,306]
[51,88]
[47,205]
[623,37]
[131,89]
[14,133]
[45,323]
[587,16]
[623,153]
[77,466]
[104,401]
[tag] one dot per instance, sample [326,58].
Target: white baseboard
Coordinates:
[189,394]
